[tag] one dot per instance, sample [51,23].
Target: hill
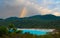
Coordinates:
[38,21]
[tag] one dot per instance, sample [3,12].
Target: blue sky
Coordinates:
[11,8]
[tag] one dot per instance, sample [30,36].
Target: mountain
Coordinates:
[38,21]
[44,17]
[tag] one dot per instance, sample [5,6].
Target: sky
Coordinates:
[14,8]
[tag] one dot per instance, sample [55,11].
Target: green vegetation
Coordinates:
[46,22]
[5,33]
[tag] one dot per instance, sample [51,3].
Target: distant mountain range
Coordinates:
[38,21]
[49,16]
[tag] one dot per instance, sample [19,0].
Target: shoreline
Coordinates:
[48,30]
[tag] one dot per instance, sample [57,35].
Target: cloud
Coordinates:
[41,10]
[21,1]
[56,13]
[10,8]
[45,11]
[49,7]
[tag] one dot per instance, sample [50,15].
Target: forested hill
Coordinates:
[38,21]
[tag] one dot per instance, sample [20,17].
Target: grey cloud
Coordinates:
[10,8]
[31,11]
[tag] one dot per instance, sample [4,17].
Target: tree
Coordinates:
[3,30]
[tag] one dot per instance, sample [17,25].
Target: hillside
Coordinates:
[38,21]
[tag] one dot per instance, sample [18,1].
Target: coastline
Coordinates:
[48,30]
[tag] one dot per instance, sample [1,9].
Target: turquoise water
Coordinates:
[36,32]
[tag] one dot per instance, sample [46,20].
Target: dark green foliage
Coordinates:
[46,21]
[38,21]
[4,33]
[3,30]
